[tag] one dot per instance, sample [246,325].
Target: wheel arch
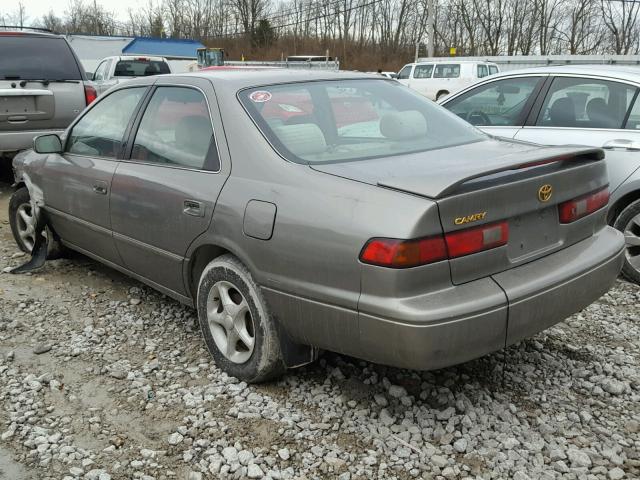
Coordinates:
[198,260]
[623,202]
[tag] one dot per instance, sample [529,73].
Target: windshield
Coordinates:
[140,68]
[347,120]
[24,57]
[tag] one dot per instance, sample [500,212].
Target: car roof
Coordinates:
[239,78]
[452,60]
[622,72]
[27,33]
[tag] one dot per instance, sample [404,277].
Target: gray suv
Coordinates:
[42,88]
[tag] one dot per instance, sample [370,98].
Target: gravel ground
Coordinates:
[102,377]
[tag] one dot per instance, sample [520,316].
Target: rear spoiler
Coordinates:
[444,183]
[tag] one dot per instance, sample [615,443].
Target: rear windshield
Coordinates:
[338,121]
[37,58]
[140,68]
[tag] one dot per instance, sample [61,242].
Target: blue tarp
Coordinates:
[162,47]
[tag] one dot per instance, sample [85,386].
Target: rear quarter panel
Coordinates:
[322,223]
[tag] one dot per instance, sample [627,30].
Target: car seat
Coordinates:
[600,115]
[562,113]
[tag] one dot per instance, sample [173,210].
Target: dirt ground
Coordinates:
[102,377]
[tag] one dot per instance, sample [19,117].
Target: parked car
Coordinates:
[406,237]
[42,87]
[113,70]
[435,80]
[595,105]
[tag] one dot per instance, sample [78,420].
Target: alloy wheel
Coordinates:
[230,322]
[632,241]
[26,225]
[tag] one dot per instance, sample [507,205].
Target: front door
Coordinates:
[77,184]
[163,196]
[590,111]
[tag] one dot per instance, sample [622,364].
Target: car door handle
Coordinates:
[100,188]
[622,143]
[193,208]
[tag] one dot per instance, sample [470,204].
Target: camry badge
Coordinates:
[545,192]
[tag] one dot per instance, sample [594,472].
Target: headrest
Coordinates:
[403,125]
[302,139]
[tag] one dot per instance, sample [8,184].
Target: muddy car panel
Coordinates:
[300,227]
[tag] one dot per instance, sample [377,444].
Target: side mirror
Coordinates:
[47,144]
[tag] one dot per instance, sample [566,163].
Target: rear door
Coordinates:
[164,193]
[41,85]
[499,107]
[589,111]
[77,183]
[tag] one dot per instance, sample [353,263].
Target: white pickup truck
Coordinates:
[113,70]
[436,79]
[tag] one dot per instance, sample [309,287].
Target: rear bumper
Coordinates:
[15,141]
[483,316]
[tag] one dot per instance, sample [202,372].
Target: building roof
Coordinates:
[163,47]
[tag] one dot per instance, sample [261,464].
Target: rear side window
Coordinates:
[176,130]
[24,57]
[586,103]
[100,132]
[482,71]
[404,73]
[447,71]
[140,68]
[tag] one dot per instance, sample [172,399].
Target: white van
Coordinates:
[436,79]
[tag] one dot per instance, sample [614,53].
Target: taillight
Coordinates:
[90,94]
[577,208]
[394,253]
[390,252]
[473,240]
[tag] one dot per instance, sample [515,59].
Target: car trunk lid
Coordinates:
[38,105]
[499,183]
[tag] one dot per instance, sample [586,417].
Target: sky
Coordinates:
[36,8]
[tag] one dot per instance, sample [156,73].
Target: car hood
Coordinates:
[437,173]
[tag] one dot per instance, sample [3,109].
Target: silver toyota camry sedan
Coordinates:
[299,211]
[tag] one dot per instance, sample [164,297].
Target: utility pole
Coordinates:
[430,28]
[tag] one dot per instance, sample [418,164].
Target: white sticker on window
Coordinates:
[260,96]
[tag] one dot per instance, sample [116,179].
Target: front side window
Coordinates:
[405,73]
[585,103]
[100,132]
[100,71]
[447,70]
[176,130]
[493,69]
[423,71]
[499,103]
[349,120]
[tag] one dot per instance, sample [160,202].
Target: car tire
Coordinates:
[442,93]
[22,225]
[236,324]
[628,222]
